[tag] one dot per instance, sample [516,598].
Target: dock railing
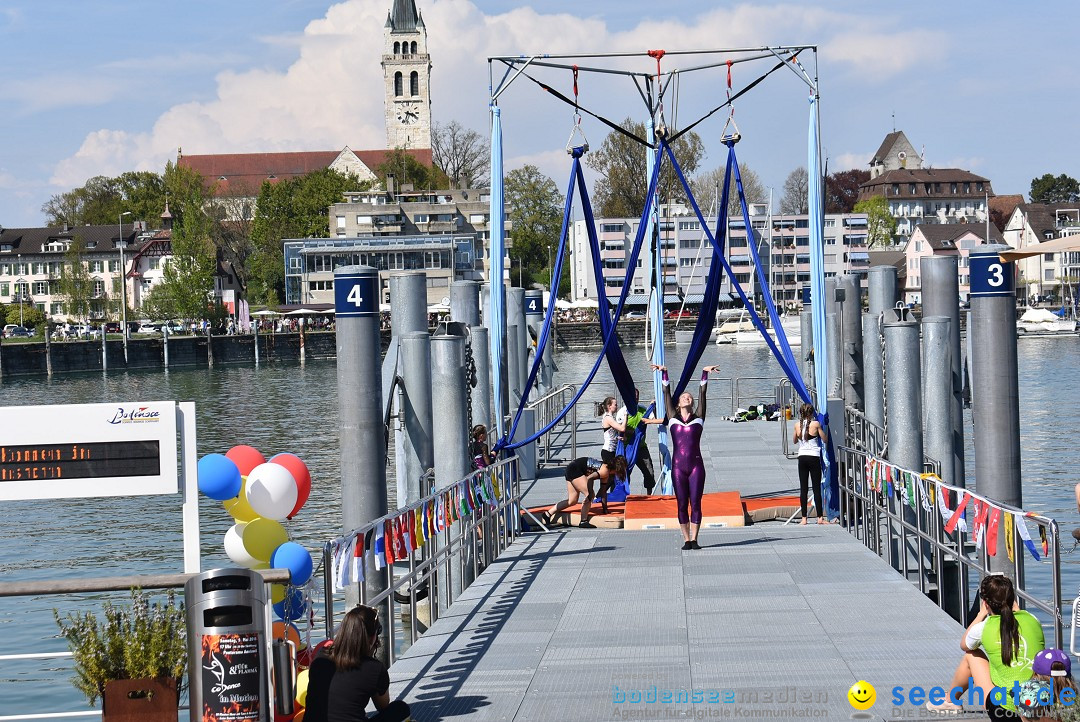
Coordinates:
[561,436]
[432,576]
[97,585]
[902,515]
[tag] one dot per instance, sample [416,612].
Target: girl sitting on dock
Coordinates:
[347,676]
[580,475]
[687,466]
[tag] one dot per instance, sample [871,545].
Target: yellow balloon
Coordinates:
[301,688]
[277,593]
[262,537]
[238,506]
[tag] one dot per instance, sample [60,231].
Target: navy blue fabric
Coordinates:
[790,370]
[609,335]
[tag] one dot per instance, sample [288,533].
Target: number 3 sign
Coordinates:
[990,276]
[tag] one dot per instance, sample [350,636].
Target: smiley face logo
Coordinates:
[862,695]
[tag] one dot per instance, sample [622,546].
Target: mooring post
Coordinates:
[806,330]
[416,411]
[465,302]
[255,325]
[940,282]
[881,297]
[210,347]
[534,321]
[517,335]
[104,349]
[451,437]
[408,302]
[994,383]
[904,423]
[165,346]
[481,392]
[834,336]
[48,351]
[360,419]
[852,333]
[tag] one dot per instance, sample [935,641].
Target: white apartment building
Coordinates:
[783,244]
[1032,223]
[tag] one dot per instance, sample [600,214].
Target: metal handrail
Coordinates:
[96,585]
[461,551]
[864,515]
[547,408]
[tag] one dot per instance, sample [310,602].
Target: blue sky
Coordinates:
[114,85]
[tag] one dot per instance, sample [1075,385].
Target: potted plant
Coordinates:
[133,659]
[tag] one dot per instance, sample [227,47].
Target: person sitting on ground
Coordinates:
[999,647]
[344,678]
[580,475]
[478,448]
[1041,698]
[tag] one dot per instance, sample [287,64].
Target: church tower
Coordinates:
[407,74]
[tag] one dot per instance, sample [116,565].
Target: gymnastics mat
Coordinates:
[718,509]
[773,508]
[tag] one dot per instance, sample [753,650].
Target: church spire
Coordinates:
[404,17]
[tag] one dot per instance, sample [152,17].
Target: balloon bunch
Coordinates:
[260,494]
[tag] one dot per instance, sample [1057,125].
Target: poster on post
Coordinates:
[230,677]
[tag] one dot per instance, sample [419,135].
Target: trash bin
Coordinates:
[228,666]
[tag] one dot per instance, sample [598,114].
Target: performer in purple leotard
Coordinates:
[687,466]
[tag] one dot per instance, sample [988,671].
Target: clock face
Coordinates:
[408,114]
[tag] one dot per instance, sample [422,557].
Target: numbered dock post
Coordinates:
[451,438]
[416,413]
[994,383]
[941,297]
[360,417]
[534,321]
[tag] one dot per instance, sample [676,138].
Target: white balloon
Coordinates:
[271,491]
[234,547]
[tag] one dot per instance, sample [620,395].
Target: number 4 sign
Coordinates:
[356,294]
[990,276]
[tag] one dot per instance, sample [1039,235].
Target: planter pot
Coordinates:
[153,699]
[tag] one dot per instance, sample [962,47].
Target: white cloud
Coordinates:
[846,161]
[332,94]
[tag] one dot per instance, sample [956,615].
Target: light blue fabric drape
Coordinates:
[497,249]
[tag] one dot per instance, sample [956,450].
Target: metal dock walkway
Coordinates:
[767,621]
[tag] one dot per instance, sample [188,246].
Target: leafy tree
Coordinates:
[462,153]
[842,189]
[102,199]
[295,208]
[535,205]
[709,184]
[1048,189]
[621,162]
[407,169]
[880,223]
[188,275]
[31,316]
[795,200]
[76,283]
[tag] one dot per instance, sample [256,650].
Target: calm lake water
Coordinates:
[294,408]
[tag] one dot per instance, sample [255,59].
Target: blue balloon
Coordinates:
[219,477]
[292,607]
[296,559]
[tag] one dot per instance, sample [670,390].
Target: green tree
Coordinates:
[535,208]
[31,316]
[880,223]
[621,162]
[408,170]
[1048,189]
[188,276]
[295,208]
[102,199]
[76,283]
[795,200]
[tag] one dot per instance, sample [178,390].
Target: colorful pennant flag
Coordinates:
[1025,537]
[950,526]
[992,531]
[380,548]
[1010,541]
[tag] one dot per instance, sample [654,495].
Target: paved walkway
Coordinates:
[768,621]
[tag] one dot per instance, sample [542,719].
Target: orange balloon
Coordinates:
[288,632]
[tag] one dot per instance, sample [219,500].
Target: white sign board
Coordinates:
[87,450]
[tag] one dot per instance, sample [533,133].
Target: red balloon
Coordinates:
[246,458]
[300,474]
[305,656]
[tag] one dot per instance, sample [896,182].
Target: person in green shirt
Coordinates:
[1000,646]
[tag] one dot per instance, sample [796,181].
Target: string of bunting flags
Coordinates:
[929,491]
[395,538]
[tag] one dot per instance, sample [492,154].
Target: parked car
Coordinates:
[20,332]
[679,314]
[148,327]
[174,327]
[80,330]
[636,315]
[9,328]
[112,327]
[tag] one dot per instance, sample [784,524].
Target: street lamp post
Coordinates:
[123,288]
[20,284]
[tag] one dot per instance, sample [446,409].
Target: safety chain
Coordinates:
[470,383]
[884,390]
